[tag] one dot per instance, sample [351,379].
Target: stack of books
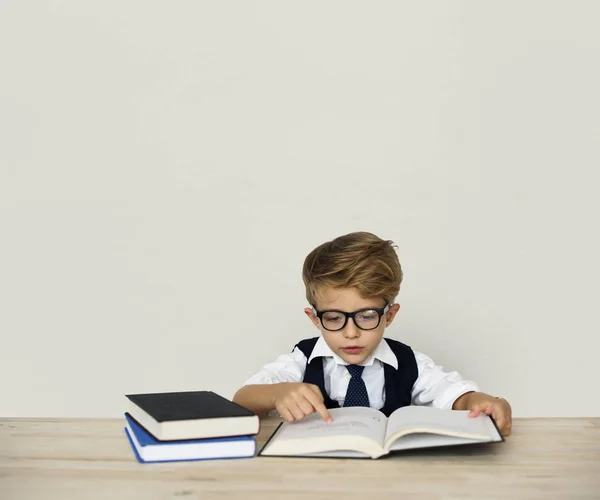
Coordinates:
[178,426]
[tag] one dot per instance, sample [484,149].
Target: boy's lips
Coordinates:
[352,349]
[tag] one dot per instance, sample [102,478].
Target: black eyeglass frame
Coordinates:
[380,311]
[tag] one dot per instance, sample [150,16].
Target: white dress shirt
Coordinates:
[433,387]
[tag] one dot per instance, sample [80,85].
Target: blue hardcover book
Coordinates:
[149,449]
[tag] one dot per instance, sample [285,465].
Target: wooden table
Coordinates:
[91,459]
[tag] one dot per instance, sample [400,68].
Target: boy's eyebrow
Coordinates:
[344,310]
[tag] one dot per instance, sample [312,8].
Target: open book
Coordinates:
[364,432]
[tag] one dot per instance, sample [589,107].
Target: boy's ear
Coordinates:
[391,314]
[311,315]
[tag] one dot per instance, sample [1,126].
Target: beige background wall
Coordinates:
[166,166]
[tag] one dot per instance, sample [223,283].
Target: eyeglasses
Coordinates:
[365,319]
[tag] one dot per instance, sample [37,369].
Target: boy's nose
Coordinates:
[351,330]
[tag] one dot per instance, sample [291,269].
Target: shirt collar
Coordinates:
[383,353]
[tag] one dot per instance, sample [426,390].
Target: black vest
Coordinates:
[398,383]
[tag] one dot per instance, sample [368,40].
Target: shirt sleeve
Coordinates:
[437,388]
[286,368]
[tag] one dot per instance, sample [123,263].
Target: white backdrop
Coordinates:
[166,166]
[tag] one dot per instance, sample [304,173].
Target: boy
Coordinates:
[351,283]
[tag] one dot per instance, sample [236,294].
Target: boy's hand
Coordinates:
[498,408]
[294,401]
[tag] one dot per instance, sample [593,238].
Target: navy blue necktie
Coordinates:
[357,390]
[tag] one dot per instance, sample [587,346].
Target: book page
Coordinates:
[440,421]
[350,429]
[426,440]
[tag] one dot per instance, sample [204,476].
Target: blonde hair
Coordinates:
[358,260]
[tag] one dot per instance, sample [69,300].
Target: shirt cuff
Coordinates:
[261,378]
[452,393]
[271,377]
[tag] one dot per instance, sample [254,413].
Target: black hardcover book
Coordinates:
[172,416]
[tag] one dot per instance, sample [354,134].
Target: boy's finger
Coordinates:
[295,410]
[501,424]
[503,420]
[320,407]
[285,413]
[317,391]
[481,408]
[474,412]
[306,406]
[490,410]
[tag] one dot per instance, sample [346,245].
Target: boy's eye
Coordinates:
[332,318]
[368,316]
